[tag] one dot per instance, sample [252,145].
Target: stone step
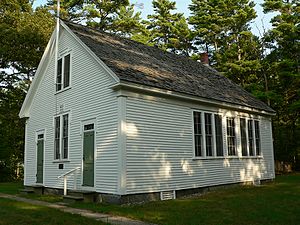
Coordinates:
[26,191]
[72,198]
[88,196]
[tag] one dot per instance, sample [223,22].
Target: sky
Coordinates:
[262,20]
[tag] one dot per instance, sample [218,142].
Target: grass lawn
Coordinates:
[12,212]
[273,203]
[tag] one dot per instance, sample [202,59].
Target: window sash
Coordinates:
[250,138]
[67,71]
[61,137]
[65,136]
[257,137]
[219,135]
[63,72]
[197,133]
[243,137]
[59,75]
[208,134]
[231,137]
[57,138]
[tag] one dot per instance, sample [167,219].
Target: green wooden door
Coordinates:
[88,158]
[40,161]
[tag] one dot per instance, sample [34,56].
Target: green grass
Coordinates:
[15,187]
[270,204]
[11,188]
[275,203]
[12,212]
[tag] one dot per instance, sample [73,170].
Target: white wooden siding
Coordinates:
[89,97]
[160,150]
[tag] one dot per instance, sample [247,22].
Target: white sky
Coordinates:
[182,6]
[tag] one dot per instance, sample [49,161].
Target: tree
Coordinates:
[24,33]
[100,14]
[71,10]
[127,23]
[223,27]
[169,31]
[284,71]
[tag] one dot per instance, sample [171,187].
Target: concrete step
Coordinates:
[72,199]
[26,191]
[88,196]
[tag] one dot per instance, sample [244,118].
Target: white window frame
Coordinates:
[62,57]
[60,158]
[254,137]
[237,131]
[203,135]
[235,134]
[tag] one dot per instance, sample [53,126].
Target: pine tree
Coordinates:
[71,10]
[100,14]
[169,31]
[283,63]
[128,23]
[223,27]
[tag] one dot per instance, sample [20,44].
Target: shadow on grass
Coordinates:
[12,212]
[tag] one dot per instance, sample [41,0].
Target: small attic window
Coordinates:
[63,73]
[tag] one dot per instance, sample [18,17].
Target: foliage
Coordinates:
[71,10]
[169,31]
[101,14]
[11,134]
[283,67]
[128,23]
[223,27]
[24,33]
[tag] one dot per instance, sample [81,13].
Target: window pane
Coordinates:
[257,138]
[208,134]
[59,75]
[67,71]
[57,138]
[243,136]
[89,127]
[219,136]
[231,139]
[250,137]
[65,135]
[197,133]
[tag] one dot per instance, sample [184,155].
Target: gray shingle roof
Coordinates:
[137,63]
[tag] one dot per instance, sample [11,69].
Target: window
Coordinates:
[208,134]
[61,137]
[197,133]
[250,137]
[257,137]
[57,138]
[65,136]
[231,138]
[63,73]
[243,136]
[219,135]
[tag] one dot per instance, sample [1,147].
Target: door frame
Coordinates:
[37,133]
[82,124]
